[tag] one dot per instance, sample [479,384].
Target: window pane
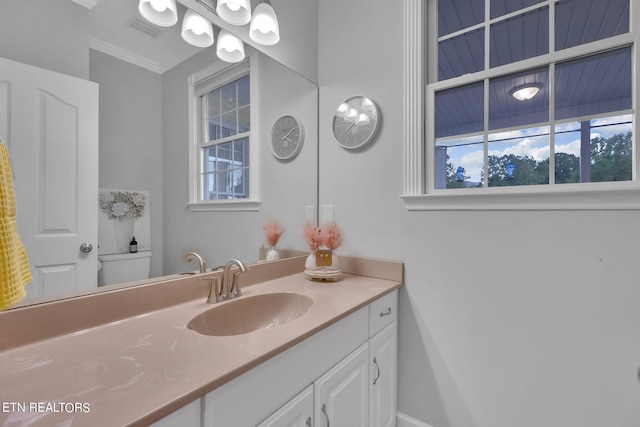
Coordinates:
[594,85]
[460,110]
[519,157]
[520,37]
[461,55]
[590,20]
[230,123]
[502,7]
[244,119]
[456,15]
[243,91]
[229,97]
[460,163]
[505,111]
[597,150]
[213,115]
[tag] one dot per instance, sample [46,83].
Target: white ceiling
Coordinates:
[112,33]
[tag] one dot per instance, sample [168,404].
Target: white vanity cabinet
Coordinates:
[361,390]
[344,375]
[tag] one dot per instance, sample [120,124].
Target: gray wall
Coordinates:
[507,318]
[131,136]
[51,34]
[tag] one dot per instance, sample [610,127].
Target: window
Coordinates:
[529,93]
[222,154]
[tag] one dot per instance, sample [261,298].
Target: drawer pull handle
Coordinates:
[324,411]
[309,422]
[378,375]
[385,313]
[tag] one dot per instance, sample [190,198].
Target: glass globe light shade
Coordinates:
[197,30]
[264,27]
[159,12]
[235,12]
[230,48]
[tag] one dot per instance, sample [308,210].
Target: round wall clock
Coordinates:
[287,136]
[355,122]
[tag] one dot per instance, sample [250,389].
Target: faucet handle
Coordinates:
[235,291]
[214,291]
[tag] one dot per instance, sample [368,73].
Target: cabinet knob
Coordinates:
[309,422]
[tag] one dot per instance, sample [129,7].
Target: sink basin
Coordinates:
[251,313]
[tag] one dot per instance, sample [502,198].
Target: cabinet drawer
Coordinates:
[382,312]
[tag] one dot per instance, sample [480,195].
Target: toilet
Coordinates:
[121,268]
[115,263]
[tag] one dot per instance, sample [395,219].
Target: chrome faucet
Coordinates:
[229,287]
[202,264]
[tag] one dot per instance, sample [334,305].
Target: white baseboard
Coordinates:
[404,420]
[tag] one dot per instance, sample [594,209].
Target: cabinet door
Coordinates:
[342,394]
[298,412]
[383,353]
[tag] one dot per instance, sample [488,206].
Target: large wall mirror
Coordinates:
[144,122]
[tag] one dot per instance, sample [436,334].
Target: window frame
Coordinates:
[419,180]
[200,83]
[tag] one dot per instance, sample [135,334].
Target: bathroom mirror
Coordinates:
[150,150]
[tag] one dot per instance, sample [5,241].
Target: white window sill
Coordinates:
[225,206]
[606,197]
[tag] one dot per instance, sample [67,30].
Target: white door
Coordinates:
[49,122]
[341,397]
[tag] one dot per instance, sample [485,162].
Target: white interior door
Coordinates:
[49,122]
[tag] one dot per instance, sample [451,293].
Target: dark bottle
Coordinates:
[133,246]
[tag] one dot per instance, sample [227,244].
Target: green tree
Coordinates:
[527,171]
[567,168]
[611,158]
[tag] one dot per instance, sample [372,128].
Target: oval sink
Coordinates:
[250,314]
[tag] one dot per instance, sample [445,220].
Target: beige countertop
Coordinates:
[135,370]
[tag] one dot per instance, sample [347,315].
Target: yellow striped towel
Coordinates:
[14,264]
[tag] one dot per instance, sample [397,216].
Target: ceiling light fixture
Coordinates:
[264,27]
[230,48]
[197,30]
[159,12]
[525,92]
[235,12]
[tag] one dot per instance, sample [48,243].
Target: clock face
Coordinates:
[287,136]
[355,122]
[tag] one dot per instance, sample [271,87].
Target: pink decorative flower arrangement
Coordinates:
[272,231]
[330,235]
[313,236]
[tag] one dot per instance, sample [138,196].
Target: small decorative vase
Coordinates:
[310,263]
[272,254]
[123,229]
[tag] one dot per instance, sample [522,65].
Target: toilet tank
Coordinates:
[121,268]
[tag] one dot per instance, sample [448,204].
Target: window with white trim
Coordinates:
[222,152]
[530,93]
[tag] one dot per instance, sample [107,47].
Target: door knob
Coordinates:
[86,248]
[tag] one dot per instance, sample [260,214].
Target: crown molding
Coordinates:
[86,3]
[124,55]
